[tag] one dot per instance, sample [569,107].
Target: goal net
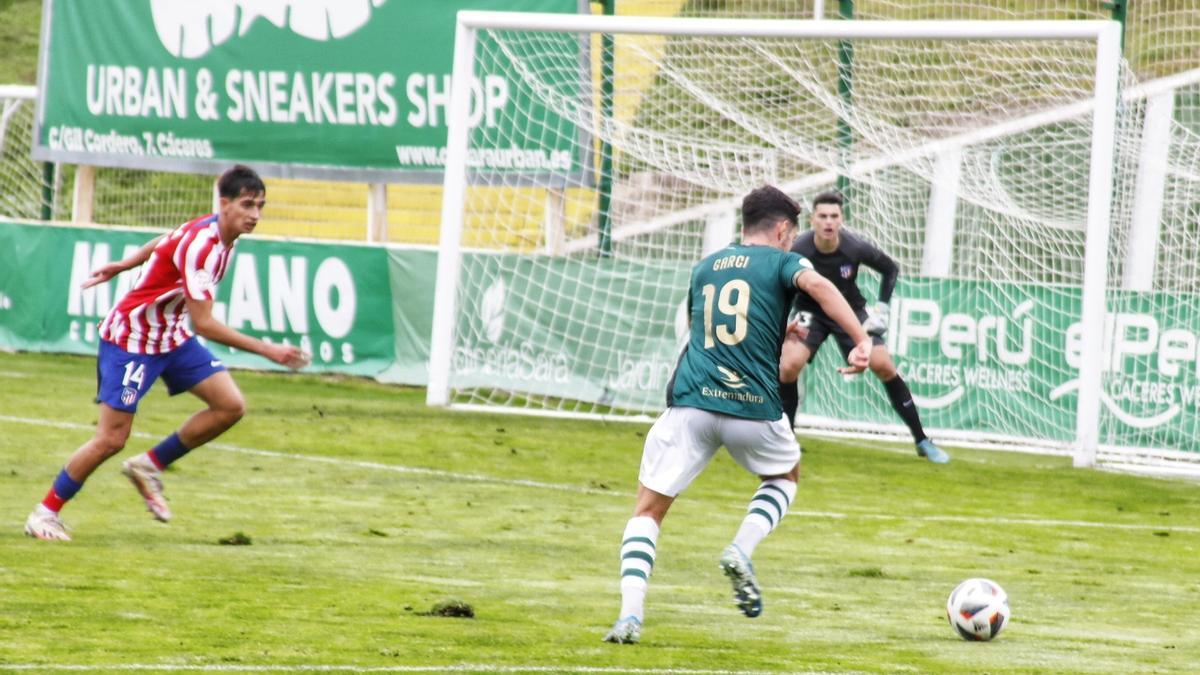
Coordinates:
[22,190]
[988,158]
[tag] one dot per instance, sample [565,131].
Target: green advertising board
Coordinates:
[348,89]
[568,328]
[1004,359]
[332,300]
[987,357]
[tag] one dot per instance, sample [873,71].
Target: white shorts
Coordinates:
[684,440]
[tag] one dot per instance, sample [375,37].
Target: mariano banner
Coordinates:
[350,89]
[333,300]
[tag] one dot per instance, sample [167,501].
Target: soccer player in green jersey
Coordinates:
[725,392]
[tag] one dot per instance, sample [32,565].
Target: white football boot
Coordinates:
[625,631]
[45,524]
[148,480]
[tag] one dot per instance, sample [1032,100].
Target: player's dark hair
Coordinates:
[830,197]
[239,179]
[767,205]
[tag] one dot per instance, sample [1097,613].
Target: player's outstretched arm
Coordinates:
[105,272]
[827,295]
[207,326]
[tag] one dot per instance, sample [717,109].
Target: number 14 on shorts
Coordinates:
[134,372]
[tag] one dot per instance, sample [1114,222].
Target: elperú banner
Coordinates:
[349,89]
[1005,358]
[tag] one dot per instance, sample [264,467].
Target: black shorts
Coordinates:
[820,326]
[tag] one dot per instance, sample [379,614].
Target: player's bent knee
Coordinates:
[789,369]
[235,413]
[231,411]
[792,360]
[112,442]
[793,475]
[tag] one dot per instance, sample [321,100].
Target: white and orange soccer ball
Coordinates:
[978,609]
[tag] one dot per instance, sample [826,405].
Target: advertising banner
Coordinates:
[350,89]
[413,276]
[570,328]
[332,300]
[978,356]
[1005,358]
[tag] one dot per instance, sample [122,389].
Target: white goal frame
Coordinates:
[1105,35]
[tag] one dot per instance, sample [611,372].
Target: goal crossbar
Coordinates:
[836,30]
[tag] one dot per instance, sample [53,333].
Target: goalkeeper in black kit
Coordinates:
[837,255]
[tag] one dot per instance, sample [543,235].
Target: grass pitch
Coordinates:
[363,509]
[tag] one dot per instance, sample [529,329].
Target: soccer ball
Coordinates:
[978,609]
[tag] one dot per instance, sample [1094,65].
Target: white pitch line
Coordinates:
[460,668]
[476,478]
[395,468]
[998,520]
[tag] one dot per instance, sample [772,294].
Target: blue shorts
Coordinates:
[122,379]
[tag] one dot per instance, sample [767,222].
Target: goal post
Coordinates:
[1095,257]
[445,301]
[530,317]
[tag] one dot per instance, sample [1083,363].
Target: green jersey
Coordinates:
[738,303]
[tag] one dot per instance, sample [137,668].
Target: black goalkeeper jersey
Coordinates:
[841,267]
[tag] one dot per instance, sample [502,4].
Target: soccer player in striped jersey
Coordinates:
[724,391]
[147,336]
[837,254]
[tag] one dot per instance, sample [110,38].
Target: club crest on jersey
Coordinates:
[847,271]
[128,395]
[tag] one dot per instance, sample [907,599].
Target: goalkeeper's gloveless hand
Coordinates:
[877,319]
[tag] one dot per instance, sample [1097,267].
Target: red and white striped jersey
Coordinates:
[187,263]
